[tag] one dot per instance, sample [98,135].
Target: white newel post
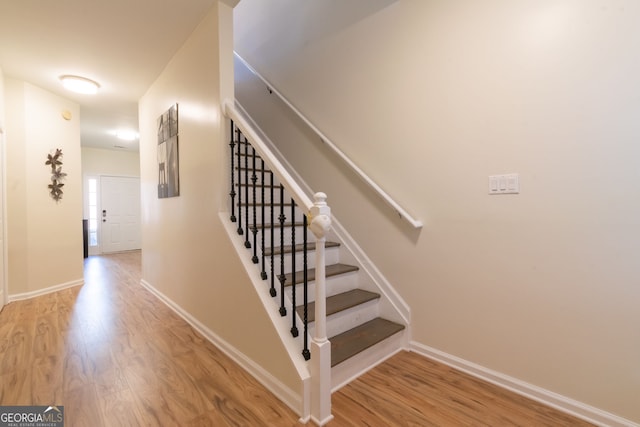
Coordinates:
[320,345]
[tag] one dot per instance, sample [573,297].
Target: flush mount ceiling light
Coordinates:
[79,84]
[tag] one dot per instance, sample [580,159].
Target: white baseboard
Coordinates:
[40,292]
[562,403]
[284,393]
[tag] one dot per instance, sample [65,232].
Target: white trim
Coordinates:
[562,403]
[40,292]
[323,422]
[292,399]
[383,194]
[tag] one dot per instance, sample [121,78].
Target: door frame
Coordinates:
[97,250]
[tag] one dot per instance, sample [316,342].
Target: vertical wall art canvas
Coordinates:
[168,170]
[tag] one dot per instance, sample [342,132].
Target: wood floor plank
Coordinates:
[46,380]
[120,410]
[47,335]
[154,409]
[19,346]
[82,407]
[15,387]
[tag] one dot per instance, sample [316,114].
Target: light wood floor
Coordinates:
[114,355]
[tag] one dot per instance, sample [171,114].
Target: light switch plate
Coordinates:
[504,184]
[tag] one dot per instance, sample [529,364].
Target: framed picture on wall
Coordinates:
[168,164]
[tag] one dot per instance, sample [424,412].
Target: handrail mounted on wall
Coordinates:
[383,194]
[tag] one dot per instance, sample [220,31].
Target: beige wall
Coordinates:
[3,269]
[186,253]
[97,161]
[44,236]
[430,97]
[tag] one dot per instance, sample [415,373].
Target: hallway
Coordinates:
[113,355]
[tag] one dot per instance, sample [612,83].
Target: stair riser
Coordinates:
[348,319]
[361,362]
[331,256]
[334,285]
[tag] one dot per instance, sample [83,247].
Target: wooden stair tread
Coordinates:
[311,246]
[360,338]
[330,270]
[339,302]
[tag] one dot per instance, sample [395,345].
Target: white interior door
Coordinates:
[120,216]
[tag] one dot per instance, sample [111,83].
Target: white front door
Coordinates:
[120,216]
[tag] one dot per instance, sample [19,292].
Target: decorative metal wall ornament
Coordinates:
[57,176]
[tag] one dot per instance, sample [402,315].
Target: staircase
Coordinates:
[307,265]
[269,222]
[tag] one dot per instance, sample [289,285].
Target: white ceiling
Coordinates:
[122,44]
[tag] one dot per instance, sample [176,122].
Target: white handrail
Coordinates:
[230,110]
[383,194]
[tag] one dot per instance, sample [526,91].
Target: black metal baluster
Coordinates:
[305,281]
[272,220]
[232,193]
[240,231]
[254,229]
[282,277]
[247,244]
[263,273]
[294,328]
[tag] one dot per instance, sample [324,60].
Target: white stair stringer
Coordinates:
[297,400]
